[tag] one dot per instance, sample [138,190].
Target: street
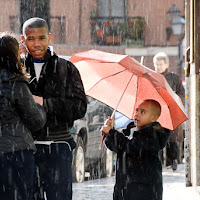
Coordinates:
[102,189]
[99,189]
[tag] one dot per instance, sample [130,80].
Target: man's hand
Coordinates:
[22,48]
[38,100]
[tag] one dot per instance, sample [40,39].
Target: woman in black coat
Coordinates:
[19,116]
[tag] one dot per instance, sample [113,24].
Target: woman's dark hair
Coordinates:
[9,53]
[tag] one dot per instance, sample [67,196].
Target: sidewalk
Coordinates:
[174,185]
[102,189]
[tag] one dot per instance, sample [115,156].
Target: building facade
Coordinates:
[80,25]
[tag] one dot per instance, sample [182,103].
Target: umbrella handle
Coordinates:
[101,144]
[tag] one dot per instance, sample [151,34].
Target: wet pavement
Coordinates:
[99,189]
[174,185]
[102,189]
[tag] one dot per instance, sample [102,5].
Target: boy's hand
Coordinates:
[38,100]
[109,123]
[105,129]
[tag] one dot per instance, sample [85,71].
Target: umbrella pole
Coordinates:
[101,144]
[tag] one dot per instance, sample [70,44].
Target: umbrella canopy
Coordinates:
[122,83]
[121,121]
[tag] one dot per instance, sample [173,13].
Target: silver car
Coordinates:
[88,159]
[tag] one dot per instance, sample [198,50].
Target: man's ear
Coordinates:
[49,37]
[167,65]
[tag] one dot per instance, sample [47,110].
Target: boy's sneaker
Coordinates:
[174,164]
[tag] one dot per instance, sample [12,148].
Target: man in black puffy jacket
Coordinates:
[59,83]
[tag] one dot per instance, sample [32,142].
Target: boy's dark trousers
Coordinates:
[52,163]
[138,191]
[119,192]
[17,175]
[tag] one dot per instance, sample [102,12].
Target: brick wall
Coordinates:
[71,28]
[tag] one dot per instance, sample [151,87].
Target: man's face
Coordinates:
[144,115]
[37,41]
[160,66]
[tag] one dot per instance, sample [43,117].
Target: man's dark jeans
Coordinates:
[54,171]
[172,152]
[17,175]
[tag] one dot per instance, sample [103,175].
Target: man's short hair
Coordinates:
[34,22]
[161,56]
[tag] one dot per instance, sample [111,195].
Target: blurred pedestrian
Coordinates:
[19,116]
[175,144]
[139,168]
[59,83]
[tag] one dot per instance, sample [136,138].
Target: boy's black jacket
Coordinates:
[138,158]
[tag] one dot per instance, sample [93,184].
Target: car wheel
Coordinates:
[109,163]
[79,162]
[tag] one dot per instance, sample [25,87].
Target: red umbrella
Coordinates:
[122,83]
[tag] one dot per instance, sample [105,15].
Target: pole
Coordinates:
[180,56]
[197,66]
[187,139]
[194,91]
[80,22]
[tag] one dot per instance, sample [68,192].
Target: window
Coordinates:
[111,8]
[58,26]
[34,8]
[14,24]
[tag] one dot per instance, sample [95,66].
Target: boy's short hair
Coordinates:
[35,22]
[156,107]
[161,56]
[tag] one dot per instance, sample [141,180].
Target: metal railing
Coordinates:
[117,30]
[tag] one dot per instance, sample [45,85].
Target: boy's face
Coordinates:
[37,41]
[144,115]
[160,66]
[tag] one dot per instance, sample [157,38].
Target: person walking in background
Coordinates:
[19,116]
[59,83]
[175,144]
[139,167]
